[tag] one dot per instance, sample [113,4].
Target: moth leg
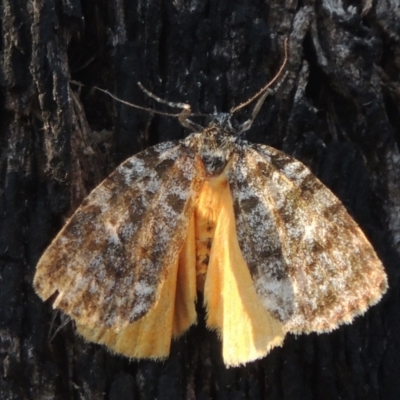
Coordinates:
[182,116]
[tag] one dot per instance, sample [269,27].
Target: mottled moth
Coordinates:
[270,247]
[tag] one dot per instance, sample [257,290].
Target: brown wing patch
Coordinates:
[148,337]
[109,262]
[169,317]
[323,269]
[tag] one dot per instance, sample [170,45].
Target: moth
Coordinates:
[270,247]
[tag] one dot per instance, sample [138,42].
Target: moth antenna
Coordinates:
[183,106]
[150,110]
[263,92]
[247,124]
[266,87]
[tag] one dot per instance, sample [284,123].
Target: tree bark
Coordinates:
[336,111]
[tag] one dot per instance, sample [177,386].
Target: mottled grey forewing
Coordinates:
[259,239]
[107,262]
[333,270]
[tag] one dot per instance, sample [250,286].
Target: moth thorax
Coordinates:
[214,163]
[216,148]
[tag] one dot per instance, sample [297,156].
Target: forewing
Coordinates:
[108,262]
[259,238]
[311,264]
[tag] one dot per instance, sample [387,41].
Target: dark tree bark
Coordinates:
[337,111]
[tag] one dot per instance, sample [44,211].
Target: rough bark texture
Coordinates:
[337,111]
